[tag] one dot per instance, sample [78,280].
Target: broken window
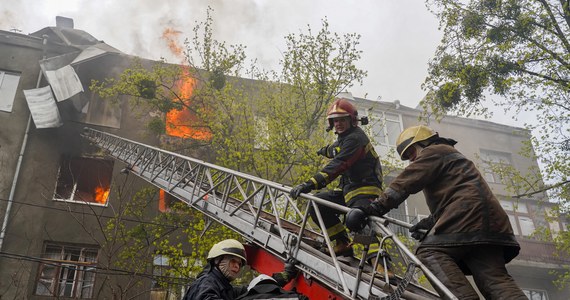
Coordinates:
[84,179]
[8,86]
[67,271]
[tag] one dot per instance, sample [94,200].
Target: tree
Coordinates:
[269,125]
[519,52]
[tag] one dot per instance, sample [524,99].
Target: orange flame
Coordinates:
[162,207]
[182,123]
[101,194]
[170,35]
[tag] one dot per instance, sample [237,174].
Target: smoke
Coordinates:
[398,37]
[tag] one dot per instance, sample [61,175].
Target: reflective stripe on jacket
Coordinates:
[356,160]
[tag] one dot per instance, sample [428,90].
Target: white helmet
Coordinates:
[259,279]
[228,247]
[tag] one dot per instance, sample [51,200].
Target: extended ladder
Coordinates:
[263,213]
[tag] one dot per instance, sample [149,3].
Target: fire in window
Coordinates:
[84,179]
[165,201]
[67,271]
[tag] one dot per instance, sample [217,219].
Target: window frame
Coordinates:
[55,284]
[160,267]
[8,93]
[544,294]
[70,187]
[515,214]
[488,158]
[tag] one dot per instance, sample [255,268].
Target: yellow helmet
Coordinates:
[228,247]
[412,135]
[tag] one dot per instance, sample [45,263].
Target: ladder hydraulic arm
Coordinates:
[263,213]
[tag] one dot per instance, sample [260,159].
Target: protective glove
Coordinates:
[376,209]
[425,224]
[301,188]
[323,151]
[290,268]
[288,273]
[356,219]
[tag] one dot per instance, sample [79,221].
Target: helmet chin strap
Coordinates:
[224,266]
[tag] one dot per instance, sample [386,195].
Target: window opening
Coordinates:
[162,269]
[535,294]
[67,271]
[494,163]
[85,180]
[165,201]
[387,129]
[8,87]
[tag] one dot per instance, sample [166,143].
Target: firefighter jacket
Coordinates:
[352,156]
[465,210]
[213,285]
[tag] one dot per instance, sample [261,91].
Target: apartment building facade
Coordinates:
[485,143]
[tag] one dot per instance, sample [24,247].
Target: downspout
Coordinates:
[20,158]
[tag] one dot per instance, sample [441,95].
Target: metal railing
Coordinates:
[264,214]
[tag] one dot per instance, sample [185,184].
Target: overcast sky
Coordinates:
[398,36]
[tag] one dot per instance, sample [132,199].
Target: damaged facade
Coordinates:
[55,188]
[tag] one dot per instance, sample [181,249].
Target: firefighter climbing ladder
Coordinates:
[263,214]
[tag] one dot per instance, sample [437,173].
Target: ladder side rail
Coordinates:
[276,244]
[379,223]
[279,246]
[329,244]
[146,164]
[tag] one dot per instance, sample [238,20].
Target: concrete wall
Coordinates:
[35,217]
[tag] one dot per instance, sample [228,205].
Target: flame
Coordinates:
[101,194]
[162,201]
[181,123]
[170,36]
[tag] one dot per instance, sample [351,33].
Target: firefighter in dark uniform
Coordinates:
[354,159]
[469,233]
[225,260]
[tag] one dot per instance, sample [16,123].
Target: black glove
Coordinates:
[425,224]
[376,209]
[323,151]
[301,188]
[288,273]
[290,268]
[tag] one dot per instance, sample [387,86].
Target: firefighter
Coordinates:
[469,233]
[225,261]
[354,159]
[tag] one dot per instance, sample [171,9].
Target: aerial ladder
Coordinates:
[275,226]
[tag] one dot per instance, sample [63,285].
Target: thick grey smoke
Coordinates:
[398,36]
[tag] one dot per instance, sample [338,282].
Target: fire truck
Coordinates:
[277,227]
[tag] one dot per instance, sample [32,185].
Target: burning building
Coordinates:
[57,191]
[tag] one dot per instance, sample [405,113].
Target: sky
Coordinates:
[398,37]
